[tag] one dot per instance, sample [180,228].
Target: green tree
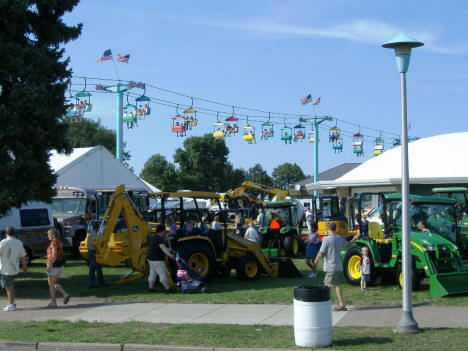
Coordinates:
[203,164]
[257,174]
[286,174]
[160,173]
[34,77]
[86,133]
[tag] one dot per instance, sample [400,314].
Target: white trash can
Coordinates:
[312,316]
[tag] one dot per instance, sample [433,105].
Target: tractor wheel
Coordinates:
[291,246]
[248,268]
[415,279]
[199,258]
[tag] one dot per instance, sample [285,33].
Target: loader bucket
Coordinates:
[443,284]
[286,267]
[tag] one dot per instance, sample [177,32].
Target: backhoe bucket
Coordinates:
[443,284]
[286,267]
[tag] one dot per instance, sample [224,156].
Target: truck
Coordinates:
[434,256]
[75,207]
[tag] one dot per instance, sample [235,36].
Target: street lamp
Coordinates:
[403,45]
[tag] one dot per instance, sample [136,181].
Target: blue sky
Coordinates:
[267,55]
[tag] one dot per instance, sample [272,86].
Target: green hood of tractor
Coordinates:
[423,239]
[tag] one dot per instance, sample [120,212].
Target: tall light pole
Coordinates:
[403,45]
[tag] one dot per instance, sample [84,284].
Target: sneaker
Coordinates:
[9,308]
[313,275]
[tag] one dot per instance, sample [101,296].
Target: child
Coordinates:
[365,268]
[311,242]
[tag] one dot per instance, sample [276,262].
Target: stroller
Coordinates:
[187,279]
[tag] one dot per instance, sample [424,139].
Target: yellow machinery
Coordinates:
[239,194]
[214,252]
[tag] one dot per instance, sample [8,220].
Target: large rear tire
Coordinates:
[291,246]
[248,268]
[199,258]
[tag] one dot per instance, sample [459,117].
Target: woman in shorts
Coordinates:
[54,265]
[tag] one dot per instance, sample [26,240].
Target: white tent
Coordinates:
[94,167]
[441,159]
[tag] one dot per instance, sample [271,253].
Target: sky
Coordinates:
[266,55]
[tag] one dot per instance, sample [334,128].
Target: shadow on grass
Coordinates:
[365,340]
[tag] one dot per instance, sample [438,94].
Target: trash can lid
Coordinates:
[312,293]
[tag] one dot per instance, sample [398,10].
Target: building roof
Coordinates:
[441,159]
[93,167]
[331,174]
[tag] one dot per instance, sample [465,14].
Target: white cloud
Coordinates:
[362,31]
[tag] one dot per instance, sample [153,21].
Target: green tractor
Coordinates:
[459,194]
[433,256]
[280,234]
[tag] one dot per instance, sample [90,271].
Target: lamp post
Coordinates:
[403,45]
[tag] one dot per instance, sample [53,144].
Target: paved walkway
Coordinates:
[98,310]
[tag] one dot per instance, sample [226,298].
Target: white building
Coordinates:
[94,167]
[441,160]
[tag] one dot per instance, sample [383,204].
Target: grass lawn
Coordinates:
[223,290]
[228,335]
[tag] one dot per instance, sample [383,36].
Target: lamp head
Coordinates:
[402,45]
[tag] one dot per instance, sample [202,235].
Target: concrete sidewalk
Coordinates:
[98,310]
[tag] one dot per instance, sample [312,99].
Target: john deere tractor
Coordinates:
[434,256]
[280,233]
[459,194]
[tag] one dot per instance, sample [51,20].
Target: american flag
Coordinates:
[107,55]
[123,58]
[316,102]
[305,100]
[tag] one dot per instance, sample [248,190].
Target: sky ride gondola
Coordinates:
[234,129]
[334,135]
[358,144]
[249,133]
[299,132]
[178,125]
[218,129]
[190,115]
[379,145]
[143,107]
[267,129]
[286,133]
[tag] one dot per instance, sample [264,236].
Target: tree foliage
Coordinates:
[202,165]
[257,174]
[86,133]
[160,173]
[286,174]
[34,76]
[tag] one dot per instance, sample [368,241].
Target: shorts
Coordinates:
[7,280]
[331,279]
[310,251]
[365,277]
[56,271]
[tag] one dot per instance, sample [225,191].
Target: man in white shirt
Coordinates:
[251,234]
[309,217]
[11,251]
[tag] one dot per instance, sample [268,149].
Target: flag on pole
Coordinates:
[107,55]
[316,102]
[306,99]
[123,58]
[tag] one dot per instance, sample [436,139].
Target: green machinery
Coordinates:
[434,256]
[459,194]
[280,234]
